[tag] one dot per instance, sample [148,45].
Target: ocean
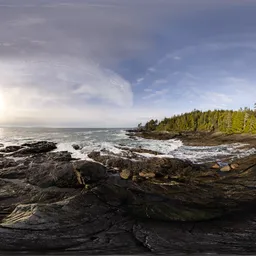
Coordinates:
[109,139]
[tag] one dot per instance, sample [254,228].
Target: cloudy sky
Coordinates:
[115,63]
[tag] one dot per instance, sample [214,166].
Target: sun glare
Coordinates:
[2,105]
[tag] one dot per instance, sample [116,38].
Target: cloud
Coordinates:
[160,81]
[152,69]
[156,94]
[50,87]
[73,63]
[139,80]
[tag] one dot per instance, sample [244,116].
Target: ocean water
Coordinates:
[109,139]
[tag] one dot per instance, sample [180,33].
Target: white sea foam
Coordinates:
[164,147]
[96,140]
[148,155]
[111,148]
[121,135]
[75,153]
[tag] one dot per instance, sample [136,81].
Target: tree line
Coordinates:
[226,121]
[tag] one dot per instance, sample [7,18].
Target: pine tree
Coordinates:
[226,121]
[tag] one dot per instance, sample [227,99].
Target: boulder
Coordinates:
[89,172]
[125,174]
[234,166]
[29,148]
[226,168]
[49,174]
[76,147]
[38,147]
[145,174]
[10,149]
[215,166]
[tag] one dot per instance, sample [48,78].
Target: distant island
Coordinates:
[224,121]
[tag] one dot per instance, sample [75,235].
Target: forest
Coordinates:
[226,121]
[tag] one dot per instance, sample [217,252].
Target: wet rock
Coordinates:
[160,166]
[14,172]
[29,148]
[94,155]
[59,156]
[76,147]
[140,150]
[89,172]
[192,211]
[7,162]
[1,145]
[10,149]
[50,174]
[38,147]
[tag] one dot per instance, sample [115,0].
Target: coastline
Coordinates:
[116,204]
[198,138]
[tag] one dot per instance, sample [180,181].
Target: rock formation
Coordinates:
[51,202]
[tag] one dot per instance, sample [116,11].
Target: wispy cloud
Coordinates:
[160,81]
[156,94]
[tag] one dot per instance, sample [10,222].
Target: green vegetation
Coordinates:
[226,121]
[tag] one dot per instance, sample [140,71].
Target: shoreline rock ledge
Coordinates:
[51,202]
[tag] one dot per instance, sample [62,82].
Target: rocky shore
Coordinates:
[197,138]
[124,205]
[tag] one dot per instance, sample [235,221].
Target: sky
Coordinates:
[117,63]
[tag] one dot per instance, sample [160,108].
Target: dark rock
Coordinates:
[48,174]
[38,147]
[94,155]
[89,172]
[154,135]
[7,162]
[76,147]
[185,208]
[160,166]
[1,145]
[9,149]
[60,156]
[29,148]
[140,150]
[14,172]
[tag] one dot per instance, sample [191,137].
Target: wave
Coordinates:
[110,140]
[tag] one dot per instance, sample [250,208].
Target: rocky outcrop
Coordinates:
[76,147]
[51,202]
[199,138]
[29,148]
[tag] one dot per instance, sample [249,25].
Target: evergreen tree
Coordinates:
[226,121]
